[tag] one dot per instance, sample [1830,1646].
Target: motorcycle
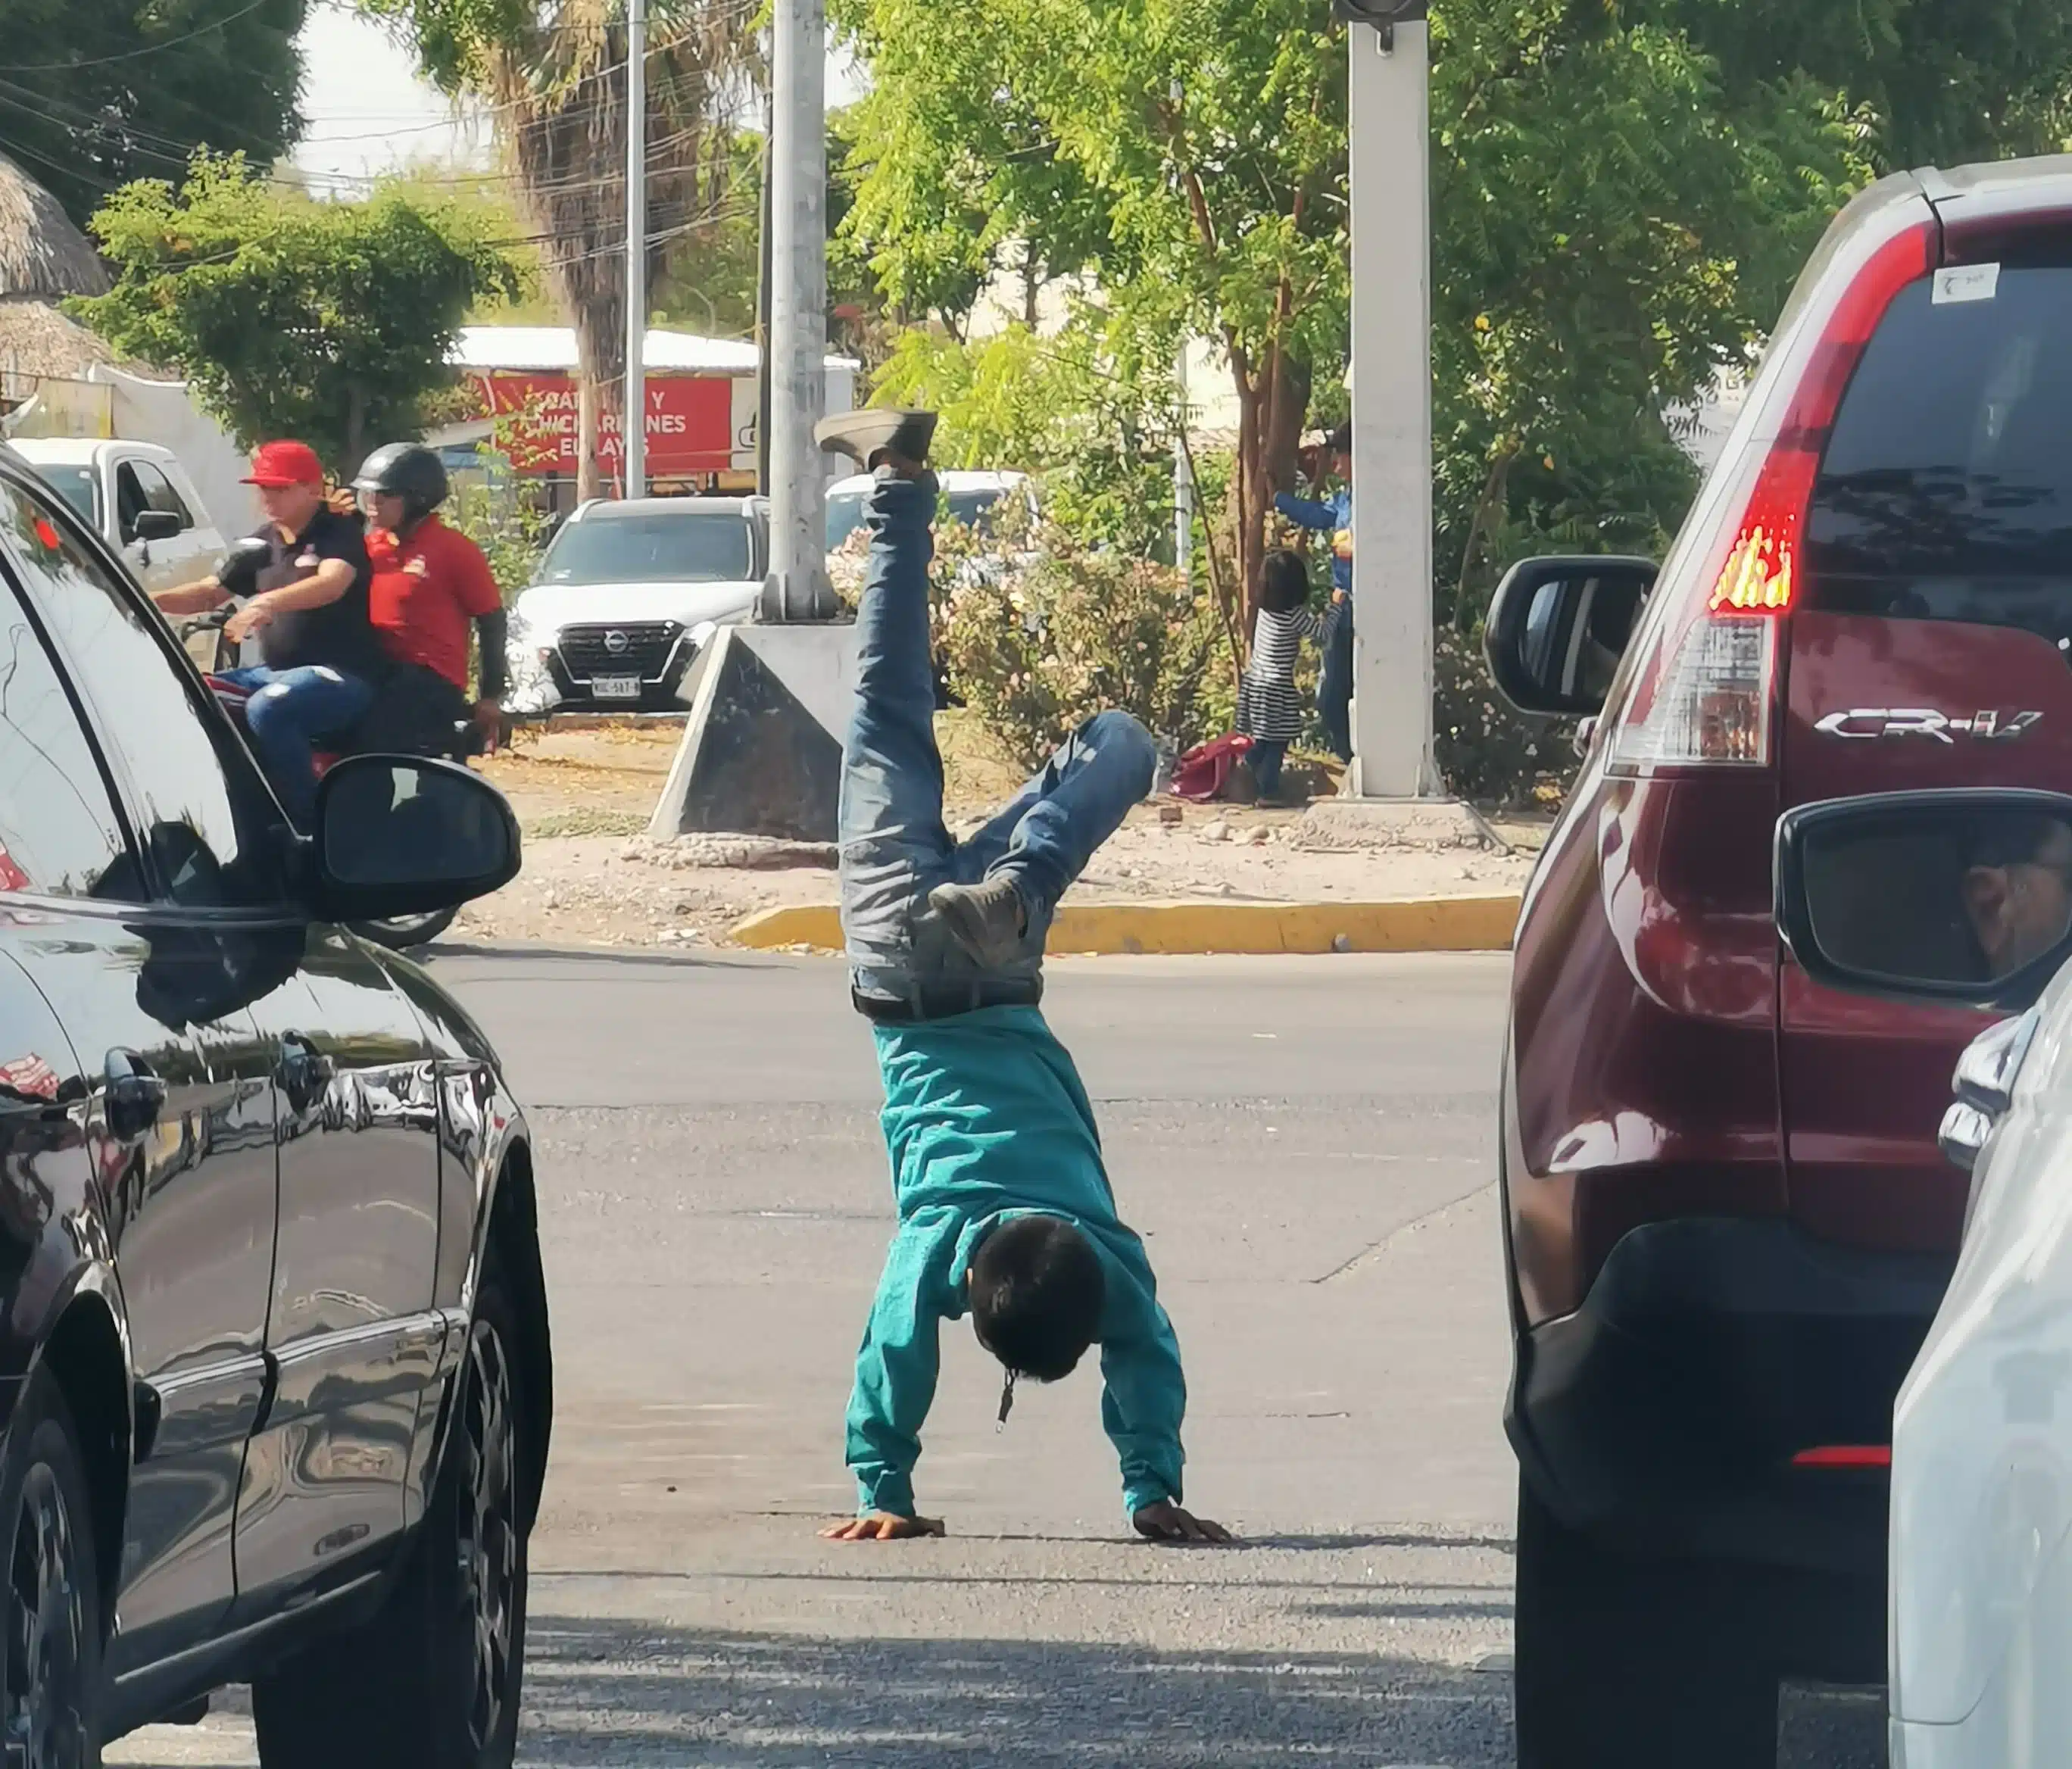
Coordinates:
[399,933]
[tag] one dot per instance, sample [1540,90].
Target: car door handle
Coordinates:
[131,1096]
[304,1072]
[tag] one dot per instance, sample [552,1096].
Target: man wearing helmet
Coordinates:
[304,603]
[429,581]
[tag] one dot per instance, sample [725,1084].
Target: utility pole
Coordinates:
[633,421]
[798,587]
[1391,333]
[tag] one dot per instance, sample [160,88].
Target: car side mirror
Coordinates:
[1961,896]
[1558,626]
[155,525]
[404,835]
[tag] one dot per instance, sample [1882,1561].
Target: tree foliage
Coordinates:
[327,321]
[1188,154]
[95,94]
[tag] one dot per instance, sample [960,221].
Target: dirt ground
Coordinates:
[584,793]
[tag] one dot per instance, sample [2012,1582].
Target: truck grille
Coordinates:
[629,647]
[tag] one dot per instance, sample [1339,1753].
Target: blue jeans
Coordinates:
[895,847]
[1266,755]
[289,710]
[1334,687]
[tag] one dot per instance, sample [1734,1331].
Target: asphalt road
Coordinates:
[1306,1145]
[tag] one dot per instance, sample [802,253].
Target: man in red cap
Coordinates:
[305,605]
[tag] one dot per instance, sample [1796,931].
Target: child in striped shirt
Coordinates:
[1269,708]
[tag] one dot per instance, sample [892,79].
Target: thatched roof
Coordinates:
[36,339]
[43,256]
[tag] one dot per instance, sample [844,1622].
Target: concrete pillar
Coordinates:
[1391,335]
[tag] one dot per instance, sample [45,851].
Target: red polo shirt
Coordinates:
[426,590]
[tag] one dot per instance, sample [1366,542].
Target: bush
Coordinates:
[1036,632]
[1487,752]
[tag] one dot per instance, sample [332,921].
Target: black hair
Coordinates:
[1284,582]
[1036,1293]
[1341,440]
[2000,838]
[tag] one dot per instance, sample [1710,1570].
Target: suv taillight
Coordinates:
[1701,687]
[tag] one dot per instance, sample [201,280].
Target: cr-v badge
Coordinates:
[1922,721]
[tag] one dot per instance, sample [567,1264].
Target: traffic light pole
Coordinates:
[1391,353]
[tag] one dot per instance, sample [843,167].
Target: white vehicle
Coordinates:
[626,595]
[1963,897]
[138,497]
[972,498]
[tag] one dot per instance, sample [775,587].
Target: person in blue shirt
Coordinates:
[1005,1211]
[1333,516]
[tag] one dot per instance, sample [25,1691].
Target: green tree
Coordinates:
[1190,155]
[327,321]
[96,93]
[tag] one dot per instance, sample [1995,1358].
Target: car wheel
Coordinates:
[50,1674]
[1623,1662]
[434,1681]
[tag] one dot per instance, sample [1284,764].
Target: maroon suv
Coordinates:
[1727,1223]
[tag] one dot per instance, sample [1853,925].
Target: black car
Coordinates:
[275,1363]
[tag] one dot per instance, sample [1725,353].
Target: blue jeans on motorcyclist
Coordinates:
[289,711]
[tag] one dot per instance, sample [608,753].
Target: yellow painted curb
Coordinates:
[1105,929]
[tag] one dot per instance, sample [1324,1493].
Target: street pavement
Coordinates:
[1307,1147]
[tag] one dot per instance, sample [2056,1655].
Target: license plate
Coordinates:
[615,687]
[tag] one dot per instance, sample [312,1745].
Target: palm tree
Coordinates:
[554,77]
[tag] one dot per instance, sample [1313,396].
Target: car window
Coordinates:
[199,808]
[80,487]
[159,492]
[1946,490]
[845,517]
[59,835]
[688,545]
[973,509]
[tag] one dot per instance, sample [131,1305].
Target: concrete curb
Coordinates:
[1108,929]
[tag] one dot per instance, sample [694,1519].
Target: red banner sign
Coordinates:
[690,423]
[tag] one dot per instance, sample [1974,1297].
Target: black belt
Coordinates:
[946,1000]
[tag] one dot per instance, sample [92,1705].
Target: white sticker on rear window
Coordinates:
[1966,283]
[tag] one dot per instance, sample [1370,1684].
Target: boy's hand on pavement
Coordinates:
[883,1526]
[1165,1522]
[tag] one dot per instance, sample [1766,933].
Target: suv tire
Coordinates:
[433,1680]
[1629,1664]
[50,1610]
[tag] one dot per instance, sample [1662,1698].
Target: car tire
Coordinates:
[49,1654]
[1623,1662]
[432,1681]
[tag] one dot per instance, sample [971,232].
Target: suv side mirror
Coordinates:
[1963,896]
[155,525]
[1558,627]
[404,835]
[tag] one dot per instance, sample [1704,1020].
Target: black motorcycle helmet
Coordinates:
[406,470]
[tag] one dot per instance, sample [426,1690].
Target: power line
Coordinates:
[132,55]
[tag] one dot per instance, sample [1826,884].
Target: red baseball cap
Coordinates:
[276,464]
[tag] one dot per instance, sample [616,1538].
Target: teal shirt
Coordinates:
[986,1119]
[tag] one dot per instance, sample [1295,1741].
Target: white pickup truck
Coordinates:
[138,496]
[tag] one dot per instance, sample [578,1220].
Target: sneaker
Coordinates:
[988,918]
[877,434]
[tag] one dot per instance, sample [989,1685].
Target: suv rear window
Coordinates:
[1946,491]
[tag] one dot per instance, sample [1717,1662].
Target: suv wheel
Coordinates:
[433,1680]
[50,1674]
[1630,1663]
